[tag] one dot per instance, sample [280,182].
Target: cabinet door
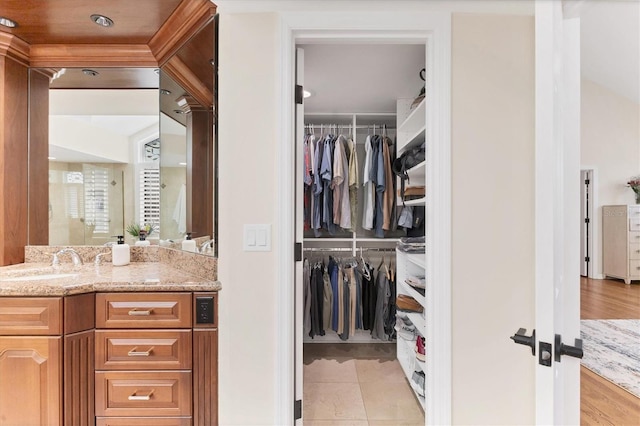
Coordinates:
[31,386]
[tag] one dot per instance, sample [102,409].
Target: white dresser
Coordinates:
[621,242]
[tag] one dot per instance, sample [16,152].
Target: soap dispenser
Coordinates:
[142,239]
[120,253]
[188,244]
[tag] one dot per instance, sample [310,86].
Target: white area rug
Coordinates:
[612,350]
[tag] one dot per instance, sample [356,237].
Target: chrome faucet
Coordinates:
[99,257]
[75,257]
[206,245]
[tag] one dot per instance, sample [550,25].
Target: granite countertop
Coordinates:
[42,279]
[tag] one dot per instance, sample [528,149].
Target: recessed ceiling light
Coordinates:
[102,20]
[183,164]
[165,92]
[306,93]
[90,73]
[6,22]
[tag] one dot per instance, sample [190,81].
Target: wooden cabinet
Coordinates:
[46,357]
[621,242]
[151,361]
[156,360]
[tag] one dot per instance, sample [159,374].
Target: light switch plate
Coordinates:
[257,237]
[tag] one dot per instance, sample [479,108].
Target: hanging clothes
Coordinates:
[316,222]
[340,185]
[388,195]
[368,186]
[353,183]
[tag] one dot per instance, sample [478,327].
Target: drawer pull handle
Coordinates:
[135,352]
[135,397]
[140,313]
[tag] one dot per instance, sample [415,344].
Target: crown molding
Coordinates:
[182,74]
[91,55]
[15,48]
[189,17]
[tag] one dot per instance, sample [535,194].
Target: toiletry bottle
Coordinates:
[188,244]
[120,253]
[142,239]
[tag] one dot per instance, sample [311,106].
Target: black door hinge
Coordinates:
[587,259]
[299,94]
[297,409]
[587,220]
[297,252]
[587,181]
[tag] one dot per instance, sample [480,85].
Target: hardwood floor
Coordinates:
[609,299]
[602,402]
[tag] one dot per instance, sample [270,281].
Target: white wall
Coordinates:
[610,142]
[493,112]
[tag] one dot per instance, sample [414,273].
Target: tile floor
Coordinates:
[357,385]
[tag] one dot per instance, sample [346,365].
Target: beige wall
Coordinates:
[610,142]
[493,175]
[247,194]
[493,112]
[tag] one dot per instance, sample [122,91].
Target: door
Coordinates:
[299,231]
[557,200]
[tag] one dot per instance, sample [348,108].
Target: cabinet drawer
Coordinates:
[31,316]
[143,394]
[634,237]
[634,268]
[143,421]
[143,310]
[634,224]
[143,349]
[634,251]
[634,212]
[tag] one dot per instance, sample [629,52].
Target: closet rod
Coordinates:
[344,126]
[349,249]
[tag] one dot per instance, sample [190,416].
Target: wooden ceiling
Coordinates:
[176,35]
[69,21]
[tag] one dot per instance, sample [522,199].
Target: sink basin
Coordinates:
[39,277]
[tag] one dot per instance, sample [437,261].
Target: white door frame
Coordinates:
[557,211]
[595,267]
[434,30]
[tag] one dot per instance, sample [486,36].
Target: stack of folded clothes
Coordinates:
[411,244]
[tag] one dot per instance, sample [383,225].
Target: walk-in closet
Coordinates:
[363,188]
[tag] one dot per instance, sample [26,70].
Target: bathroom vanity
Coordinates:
[104,345]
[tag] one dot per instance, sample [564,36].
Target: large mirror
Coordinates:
[135,146]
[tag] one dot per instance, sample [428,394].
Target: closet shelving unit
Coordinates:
[411,133]
[360,125]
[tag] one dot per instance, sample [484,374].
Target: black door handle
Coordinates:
[562,349]
[522,339]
